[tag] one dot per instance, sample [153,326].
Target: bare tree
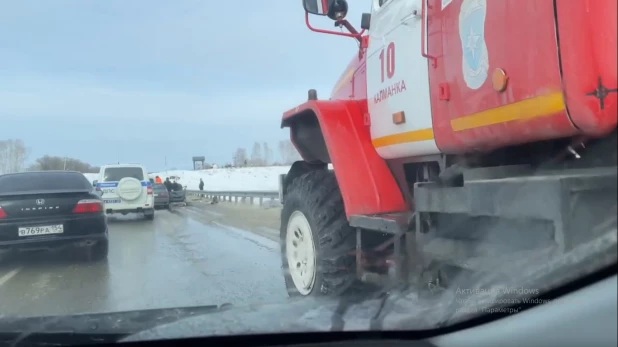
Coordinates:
[268,154]
[48,162]
[288,152]
[13,155]
[240,157]
[293,154]
[256,155]
[281,150]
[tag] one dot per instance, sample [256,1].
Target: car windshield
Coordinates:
[374,165]
[118,173]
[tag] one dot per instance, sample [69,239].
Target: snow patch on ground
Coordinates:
[229,179]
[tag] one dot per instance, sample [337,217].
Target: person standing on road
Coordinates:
[201,187]
[168,184]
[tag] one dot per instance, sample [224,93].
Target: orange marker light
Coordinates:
[399,117]
[499,80]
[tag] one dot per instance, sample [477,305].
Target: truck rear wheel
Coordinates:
[317,243]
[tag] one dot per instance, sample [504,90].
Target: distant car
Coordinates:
[126,188]
[161,196]
[48,210]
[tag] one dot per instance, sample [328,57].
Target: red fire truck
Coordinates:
[464,135]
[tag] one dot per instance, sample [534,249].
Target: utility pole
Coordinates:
[165,163]
[65,164]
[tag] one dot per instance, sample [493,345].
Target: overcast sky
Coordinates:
[141,80]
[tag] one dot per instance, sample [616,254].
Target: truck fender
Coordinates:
[334,131]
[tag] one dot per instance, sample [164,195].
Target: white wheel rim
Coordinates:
[300,252]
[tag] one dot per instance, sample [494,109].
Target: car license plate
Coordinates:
[156,195]
[111,201]
[41,230]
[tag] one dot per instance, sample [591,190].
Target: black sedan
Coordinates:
[48,210]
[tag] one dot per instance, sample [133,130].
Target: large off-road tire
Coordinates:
[317,243]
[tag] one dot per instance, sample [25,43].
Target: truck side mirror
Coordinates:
[94,183]
[318,7]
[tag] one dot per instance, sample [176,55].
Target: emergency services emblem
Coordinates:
[475,58]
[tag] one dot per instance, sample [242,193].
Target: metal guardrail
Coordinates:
[241,195]
[236,196]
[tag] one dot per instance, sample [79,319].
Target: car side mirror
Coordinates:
[317,7]
[94,183]
[100,192]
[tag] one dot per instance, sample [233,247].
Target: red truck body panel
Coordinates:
[588,30]
[553,53]
[521,40]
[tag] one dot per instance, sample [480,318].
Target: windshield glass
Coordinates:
[43,181]
[446,163]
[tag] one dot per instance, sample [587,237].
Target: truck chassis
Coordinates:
[487,220]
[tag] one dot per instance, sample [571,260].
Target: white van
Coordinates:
[126,188]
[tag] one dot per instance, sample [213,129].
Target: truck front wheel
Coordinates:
[317,243]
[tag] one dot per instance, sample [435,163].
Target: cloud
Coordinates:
[87,101]
[222,71]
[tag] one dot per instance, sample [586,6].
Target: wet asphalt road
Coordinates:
[181,258]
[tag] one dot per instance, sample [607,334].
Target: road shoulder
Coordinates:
[263,221]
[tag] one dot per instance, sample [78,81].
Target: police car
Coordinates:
[126,188]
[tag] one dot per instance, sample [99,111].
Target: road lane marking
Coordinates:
[9,275]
